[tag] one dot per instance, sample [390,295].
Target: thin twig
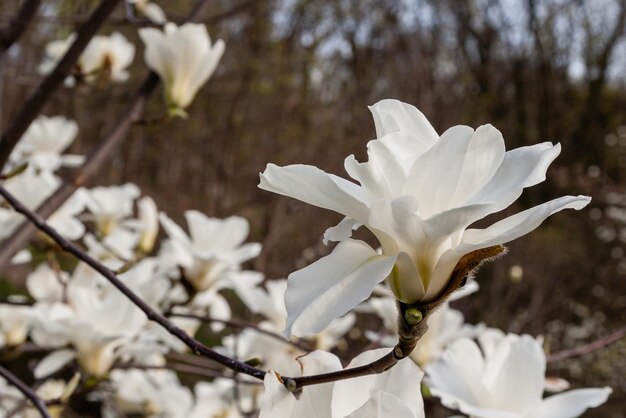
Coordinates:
[48,85]
[615,336]
[27,391]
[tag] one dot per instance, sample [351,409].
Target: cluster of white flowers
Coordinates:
[183,56]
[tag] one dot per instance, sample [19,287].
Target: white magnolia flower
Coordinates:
[44,141]
[393,393]
[505,380]
[151,393]
[110,55]
[418,194]
[104,55]
[212,253]
[183,57]
[14,324]
[109,206]
[92,316]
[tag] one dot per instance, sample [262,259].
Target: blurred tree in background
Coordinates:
[293,88]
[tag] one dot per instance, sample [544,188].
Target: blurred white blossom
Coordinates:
[43,143]
[183,57]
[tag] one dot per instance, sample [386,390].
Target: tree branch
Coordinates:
[48,85]
[589,348]
[28,392]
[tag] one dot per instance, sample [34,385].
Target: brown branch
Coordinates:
[18,25]
[589,348]
[48,85]
[27,391]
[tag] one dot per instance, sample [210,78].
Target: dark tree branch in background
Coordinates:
[28,392]
[589,348]
[52,81]
[14,31]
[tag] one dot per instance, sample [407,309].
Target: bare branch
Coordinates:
[18,25]
[27,391]
[589,348]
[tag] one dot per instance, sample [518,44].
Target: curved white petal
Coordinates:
[522,167]
[456,376]
[519,224]
[315,187]
[341,231]
[456,167]
[53,362]
[514,374]
[277,401]
[384,405]
[213,233]
[330,287]
[395,116]
[571,404]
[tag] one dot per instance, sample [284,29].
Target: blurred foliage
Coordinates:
[293,87]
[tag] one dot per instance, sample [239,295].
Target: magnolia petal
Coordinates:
[315,187]
[316,399]
[456,376]
[389,163]
[522,167]
[403,381]
[383,405]
[341,231]
[174,231]
[456,167]
[216,233]
[277,401]
[514,374]
[571,404]
[53,362]
[330,287]
[395,116]
[519,224]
